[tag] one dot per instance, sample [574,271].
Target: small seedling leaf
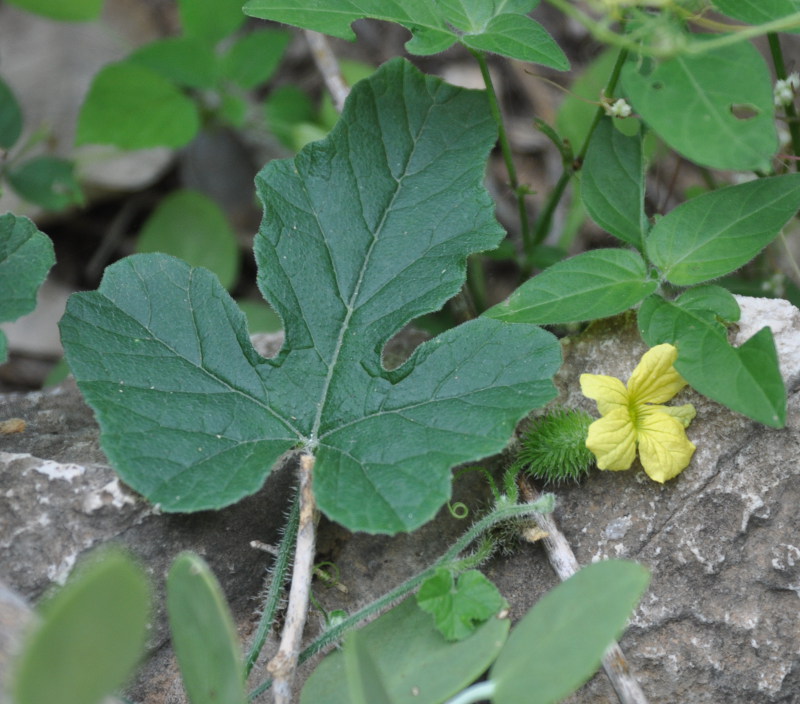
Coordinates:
[689,102]
[459,607]
[134,107]
[717,232]
[613,183]
[253,58]
[560,642]
[503,28]
[415,662]
[10,117]
[47,181]
[210,20]
[595,284]
[746,379]
[26,255]
[362,233]
[91,635]
[203,634]
[186,61]
[192,227]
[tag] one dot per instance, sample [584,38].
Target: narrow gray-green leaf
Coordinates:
[203,634]
[595,284]
[26,255]
[435,25]
[717,232]
[613,183]
[746,379]
[10,117]
[559,643]
[416,663]
[134,107]
[362,232]
[715,108]
[91,636]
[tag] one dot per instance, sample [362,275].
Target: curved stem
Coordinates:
[505,147]
[791,112]
[475,693]
[543,504]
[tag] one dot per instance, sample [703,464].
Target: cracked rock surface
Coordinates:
[720,621]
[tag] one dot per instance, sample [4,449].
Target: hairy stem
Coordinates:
[791,112]
[282,667]
[564,564]
[505,148]
[273,597]
[328,66]
[501,513]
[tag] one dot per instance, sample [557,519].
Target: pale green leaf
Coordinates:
[203,634]
[47,181]
[416,663]
[186,61]
[746,379]
[759,11]
[717,232]
[364,680]
[90,638]
[595,284]
[459,607]
[560,642]
[362,232]
[133,107]
[253,58]
[497,26]
[210,20]
[192,227]
[26,255]
[715,108]
[63,10]
[613,183]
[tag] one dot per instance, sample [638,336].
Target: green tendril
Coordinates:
[554,448]
[458,510]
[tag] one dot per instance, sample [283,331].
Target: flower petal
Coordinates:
[610,393]
[685,414]
[655,380]
[612,440]
[664,449]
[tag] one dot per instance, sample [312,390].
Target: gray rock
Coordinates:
[719,622]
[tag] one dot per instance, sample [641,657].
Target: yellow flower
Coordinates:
[629,418]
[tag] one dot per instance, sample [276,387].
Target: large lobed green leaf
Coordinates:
[362,232]
[715,108]
[498,26]
[26,255]
[716,233]
[596,284]
[746,379]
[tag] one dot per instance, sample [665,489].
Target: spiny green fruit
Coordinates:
[554,448]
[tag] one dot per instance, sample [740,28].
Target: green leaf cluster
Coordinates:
[165,92]
[46,181]
[700,240]
[553,650]
[497,26]
[362,232]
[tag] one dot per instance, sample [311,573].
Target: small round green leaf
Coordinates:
[183,60]
[47,181]
[192,227]
[715,108]
[91,635]
[560,642]
[210,20]
[203,634]
[415,663]
[134,107]
[254,57]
